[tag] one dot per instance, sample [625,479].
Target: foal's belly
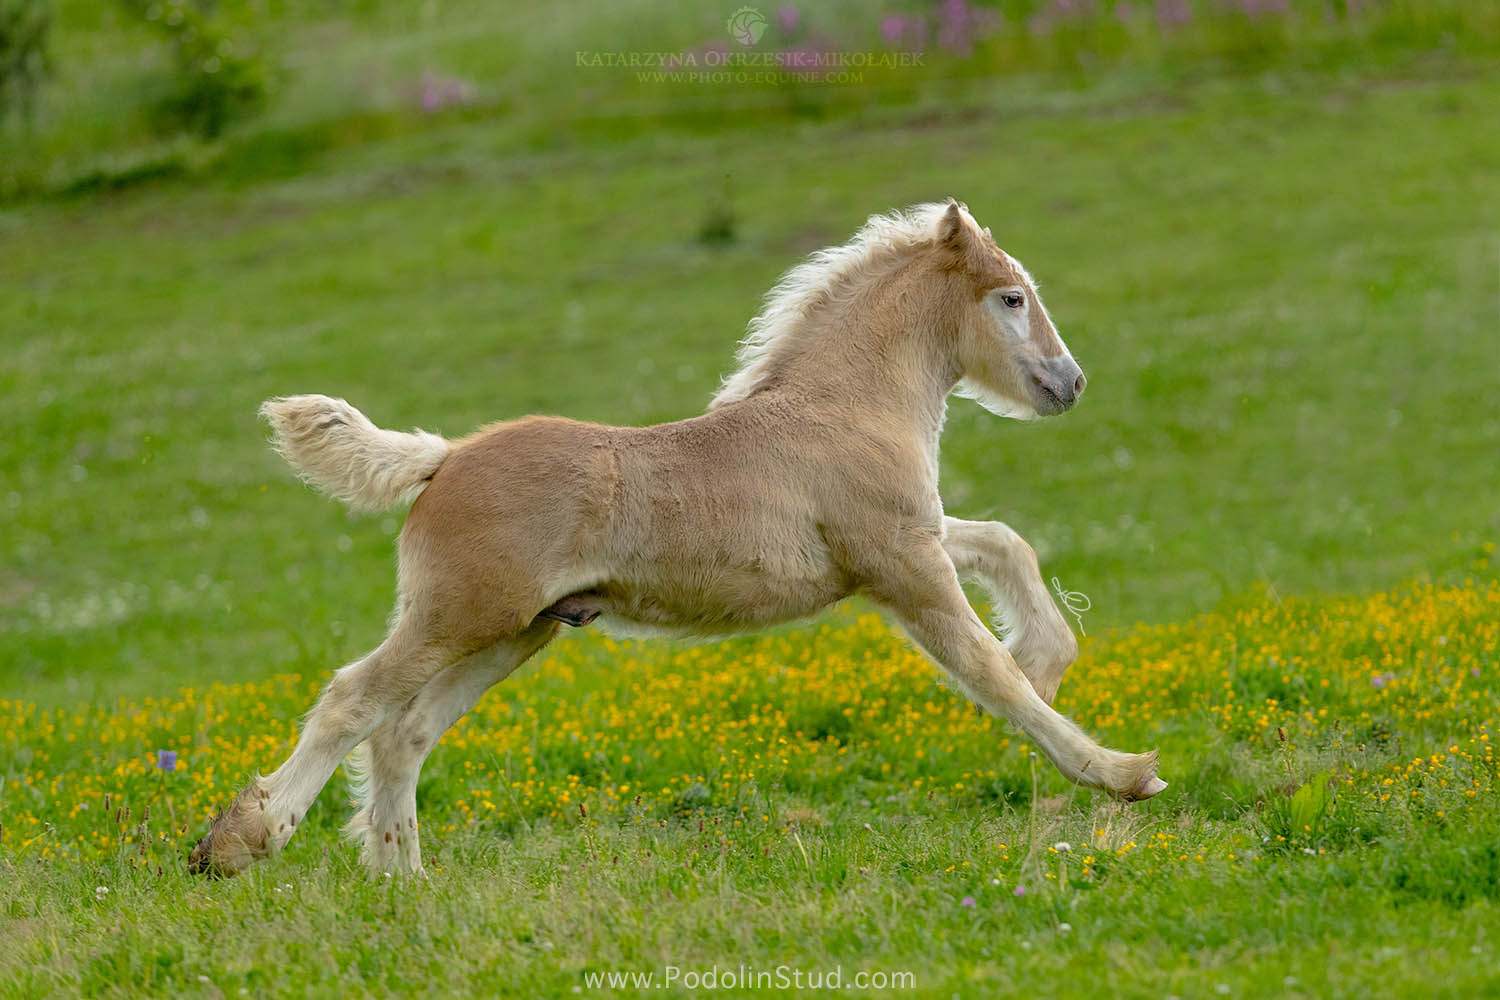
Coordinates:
[715,600]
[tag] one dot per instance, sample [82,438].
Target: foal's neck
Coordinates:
[883,350]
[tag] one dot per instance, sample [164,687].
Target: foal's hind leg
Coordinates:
[1033,628]
[265,814]
[388,763]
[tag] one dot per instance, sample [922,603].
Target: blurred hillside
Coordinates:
[134,90]
[1267,231]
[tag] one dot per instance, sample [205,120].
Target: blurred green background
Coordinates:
[1268,230]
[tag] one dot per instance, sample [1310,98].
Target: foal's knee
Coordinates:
[400,743]
[1014,551]
[413,734]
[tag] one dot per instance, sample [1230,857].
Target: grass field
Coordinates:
[1283,282]
[812,801]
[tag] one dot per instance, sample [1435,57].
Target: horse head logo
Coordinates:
[746,25]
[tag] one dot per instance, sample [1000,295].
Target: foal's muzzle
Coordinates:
[1056,384]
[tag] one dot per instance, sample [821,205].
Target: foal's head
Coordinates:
[1013,362]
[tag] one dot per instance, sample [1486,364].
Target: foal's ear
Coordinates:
[958,237]
[951,226]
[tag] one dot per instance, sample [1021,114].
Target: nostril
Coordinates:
[1078,384]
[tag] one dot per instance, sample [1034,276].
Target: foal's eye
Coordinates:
[1012,299]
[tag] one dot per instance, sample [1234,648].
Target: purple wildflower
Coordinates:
[892,27]
[438,92]
[1381,680]
[1255,8]
[967,902]
[1020,890]
[166,760]
[1172,13]
[959,25]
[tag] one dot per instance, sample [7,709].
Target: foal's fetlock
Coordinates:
[385,848]
[239,836]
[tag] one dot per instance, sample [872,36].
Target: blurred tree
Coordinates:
[24,62]
[219,78]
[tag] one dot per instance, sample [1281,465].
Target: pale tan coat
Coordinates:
[813,476]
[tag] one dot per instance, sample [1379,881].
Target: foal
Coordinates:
[812,476]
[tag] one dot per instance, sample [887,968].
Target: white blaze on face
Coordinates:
[1031,322]
[1026,340]
[1008,309]
[1015,321]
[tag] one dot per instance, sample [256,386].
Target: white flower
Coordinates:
[100,891]
[1064,928]
[1062,847]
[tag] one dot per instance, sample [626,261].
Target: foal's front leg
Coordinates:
[916,580]
[1034,629]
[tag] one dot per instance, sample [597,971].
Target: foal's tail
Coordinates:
[334,447]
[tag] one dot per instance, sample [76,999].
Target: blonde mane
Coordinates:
[814,283]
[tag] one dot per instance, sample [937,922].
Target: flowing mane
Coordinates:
[814,283]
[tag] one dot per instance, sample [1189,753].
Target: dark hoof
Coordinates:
[200,862]
[576,610]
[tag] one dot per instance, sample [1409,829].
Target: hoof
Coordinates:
[1146,783]
[1148,788]
[201,860]
[222,854]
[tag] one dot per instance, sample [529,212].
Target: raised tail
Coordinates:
[334,447]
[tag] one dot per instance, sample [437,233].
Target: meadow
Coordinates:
[1277,264]
[812,801]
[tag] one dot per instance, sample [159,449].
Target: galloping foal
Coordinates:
[812,476]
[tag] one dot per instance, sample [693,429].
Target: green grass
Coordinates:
[1283,288]
[1286,315]
[813,802]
